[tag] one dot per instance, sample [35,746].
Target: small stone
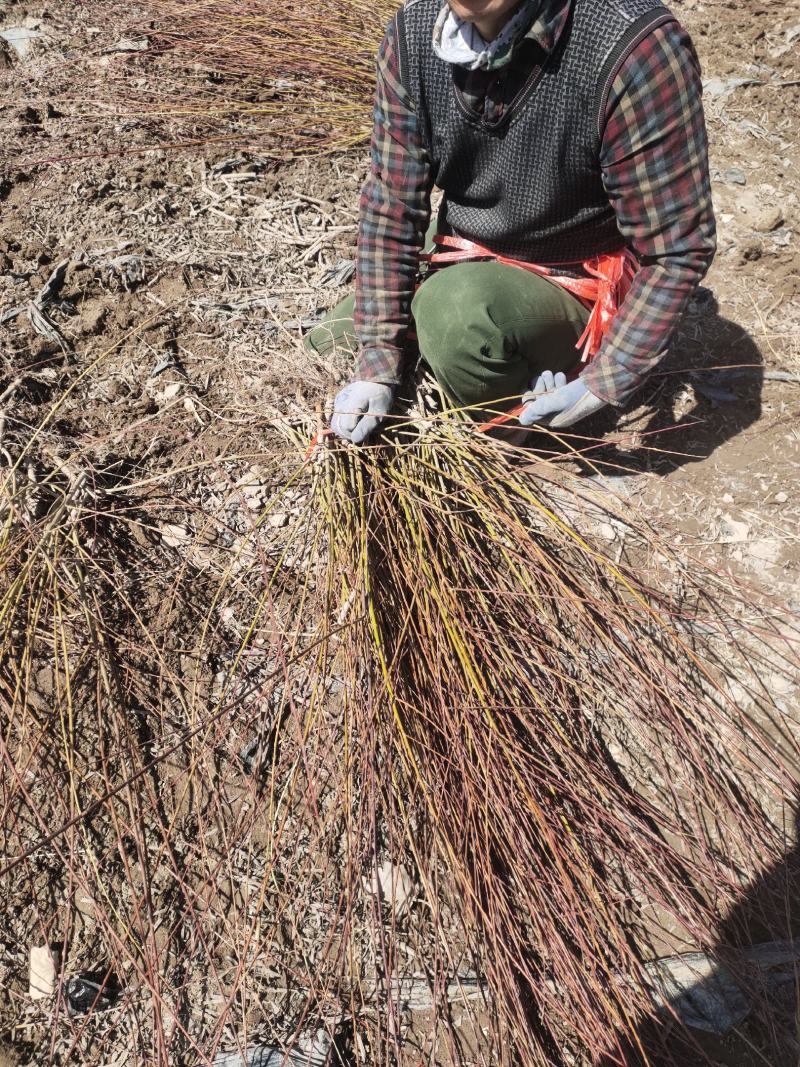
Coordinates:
[727,499]
[85,906]
[131,44]
[43,963]
[254,490]
[782,236]
[781,498]
[733,532]
[20,38]
[278,519]
[735,176]
[255,498]
[175,535]
[766,219]
[171,391]
[84,993]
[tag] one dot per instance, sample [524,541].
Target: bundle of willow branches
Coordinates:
[289,77]
[587,780]
[425,774]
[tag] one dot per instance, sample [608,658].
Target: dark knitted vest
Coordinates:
[530,186]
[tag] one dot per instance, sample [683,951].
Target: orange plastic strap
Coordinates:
[317,439]
[603,291]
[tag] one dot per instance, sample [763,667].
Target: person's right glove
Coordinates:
[563,403]
[360,408]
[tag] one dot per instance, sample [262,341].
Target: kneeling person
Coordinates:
[568,139]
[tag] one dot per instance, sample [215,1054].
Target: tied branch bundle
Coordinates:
[562,729]
[379,751]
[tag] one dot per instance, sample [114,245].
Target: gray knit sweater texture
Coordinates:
[529,186]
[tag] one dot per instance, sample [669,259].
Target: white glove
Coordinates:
[566,402]
[359,409]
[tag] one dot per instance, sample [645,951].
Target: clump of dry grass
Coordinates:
[398,753]
[291,78]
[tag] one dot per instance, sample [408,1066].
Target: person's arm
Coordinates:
[394,212]
[654,160]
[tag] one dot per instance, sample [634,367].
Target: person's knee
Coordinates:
[466,329]
[486,329]
[453,319]
[335,334]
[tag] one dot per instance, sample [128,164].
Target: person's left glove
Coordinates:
[359,409]
[552,395]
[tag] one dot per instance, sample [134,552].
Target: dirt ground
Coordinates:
[183,282]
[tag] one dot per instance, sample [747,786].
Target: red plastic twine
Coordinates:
[603,292]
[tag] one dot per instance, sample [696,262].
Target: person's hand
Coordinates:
[563,403]
[359,409]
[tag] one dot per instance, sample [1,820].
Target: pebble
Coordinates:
[256,498]
[758,209]
[733,532]
[131,44]
[781,498]
[766,219]
[42,975]
[175,535]
[20,38]
[84,994]
[735,176]
[85,906]
[278,519]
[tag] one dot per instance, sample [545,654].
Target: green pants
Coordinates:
[485,329]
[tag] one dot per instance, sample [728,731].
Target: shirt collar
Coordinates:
[549,23]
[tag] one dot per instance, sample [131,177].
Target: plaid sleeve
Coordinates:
[654,160]
[394,212]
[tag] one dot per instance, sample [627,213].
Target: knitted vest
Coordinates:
[530,186]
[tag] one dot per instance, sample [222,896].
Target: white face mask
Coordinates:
[461,43]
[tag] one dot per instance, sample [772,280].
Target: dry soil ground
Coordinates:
[184,279]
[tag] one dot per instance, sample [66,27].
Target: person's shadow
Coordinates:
[758,945]
[705,392]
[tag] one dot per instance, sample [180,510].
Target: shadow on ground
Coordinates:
[706,392]
[768,913]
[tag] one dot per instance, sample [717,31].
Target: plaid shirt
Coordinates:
[654,165]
